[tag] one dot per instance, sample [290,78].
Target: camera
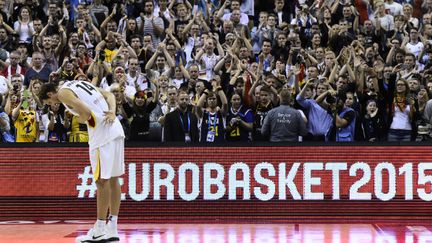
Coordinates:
[102,56]
[387,75]
[330,99]
[149,94]
[300,58]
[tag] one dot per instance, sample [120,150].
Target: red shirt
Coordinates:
[5,71]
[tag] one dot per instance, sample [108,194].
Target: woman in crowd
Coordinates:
[403,111]
[24,25]
[239,121]
[143,104]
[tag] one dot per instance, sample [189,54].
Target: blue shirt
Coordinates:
[319,120]
[42,75]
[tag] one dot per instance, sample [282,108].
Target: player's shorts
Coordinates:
[108,160]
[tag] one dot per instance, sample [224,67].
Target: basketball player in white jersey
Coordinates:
[96,108]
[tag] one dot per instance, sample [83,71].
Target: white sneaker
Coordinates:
[95,234]
[111,232]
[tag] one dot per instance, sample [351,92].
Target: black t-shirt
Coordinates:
[140,124]
[260,113]
[238,133]
[58,134]
[212,123]
[349,116]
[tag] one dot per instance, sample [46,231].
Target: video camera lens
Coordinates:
[330,99]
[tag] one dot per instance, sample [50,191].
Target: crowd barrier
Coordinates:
[268,183]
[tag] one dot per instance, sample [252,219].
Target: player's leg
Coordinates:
[115,196]
[103,198]
[98,233]
[117,162]
[117,169]
[115,200]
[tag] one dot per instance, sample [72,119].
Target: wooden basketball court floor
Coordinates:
[63,232]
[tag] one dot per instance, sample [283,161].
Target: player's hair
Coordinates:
[45,88]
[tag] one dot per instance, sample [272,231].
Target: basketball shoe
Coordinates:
[111,232]
[95,234]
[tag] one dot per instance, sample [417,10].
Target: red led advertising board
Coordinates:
[237,182]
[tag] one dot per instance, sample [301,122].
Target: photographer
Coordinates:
[107,48]
[344,117]
[13,96]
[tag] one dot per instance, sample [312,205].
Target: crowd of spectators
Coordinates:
[222,70]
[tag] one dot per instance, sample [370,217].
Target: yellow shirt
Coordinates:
[109,55]
[26,126]
[79,132]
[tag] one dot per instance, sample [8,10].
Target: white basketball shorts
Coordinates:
[108,160]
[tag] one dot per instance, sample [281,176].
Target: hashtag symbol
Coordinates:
[85,184]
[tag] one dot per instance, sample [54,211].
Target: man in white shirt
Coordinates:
[160,63]
[135,78]
[393,8]
[208,58]
[414,46]
[235,5]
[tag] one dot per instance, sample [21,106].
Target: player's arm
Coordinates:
[110,99]
[110,115]
[69,98]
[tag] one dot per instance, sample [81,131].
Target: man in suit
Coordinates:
[283,14]
[181,125]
